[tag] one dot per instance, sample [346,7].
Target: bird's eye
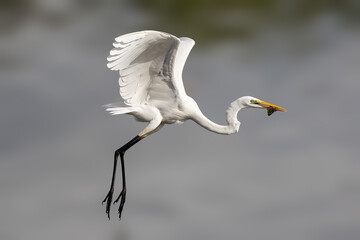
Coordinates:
[253,101]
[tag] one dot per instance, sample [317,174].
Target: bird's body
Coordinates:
[150,64]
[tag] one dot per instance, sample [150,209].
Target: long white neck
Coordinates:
[231,117]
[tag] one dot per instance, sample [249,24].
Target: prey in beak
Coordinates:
[271,108]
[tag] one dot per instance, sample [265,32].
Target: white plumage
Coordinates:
[150,65]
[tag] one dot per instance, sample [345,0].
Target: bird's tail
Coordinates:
[114,109]
[119,110]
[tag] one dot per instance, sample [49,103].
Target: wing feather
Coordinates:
[150,65]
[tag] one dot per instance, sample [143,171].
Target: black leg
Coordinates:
[109,196]
[122,195]
[108,199]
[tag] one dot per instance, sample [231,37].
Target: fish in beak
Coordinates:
[271,108]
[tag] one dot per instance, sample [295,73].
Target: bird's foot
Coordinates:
[122,198]
[108,200]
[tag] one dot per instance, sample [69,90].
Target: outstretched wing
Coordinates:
[150,64]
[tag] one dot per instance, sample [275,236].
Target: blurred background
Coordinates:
[293,175]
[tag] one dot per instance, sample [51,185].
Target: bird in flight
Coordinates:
[150,64]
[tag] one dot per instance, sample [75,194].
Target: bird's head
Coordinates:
[252,102]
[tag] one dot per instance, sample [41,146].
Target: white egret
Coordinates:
[150,64]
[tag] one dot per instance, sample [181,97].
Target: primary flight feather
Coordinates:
[150,64]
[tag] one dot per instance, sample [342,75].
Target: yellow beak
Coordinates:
[271,108]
